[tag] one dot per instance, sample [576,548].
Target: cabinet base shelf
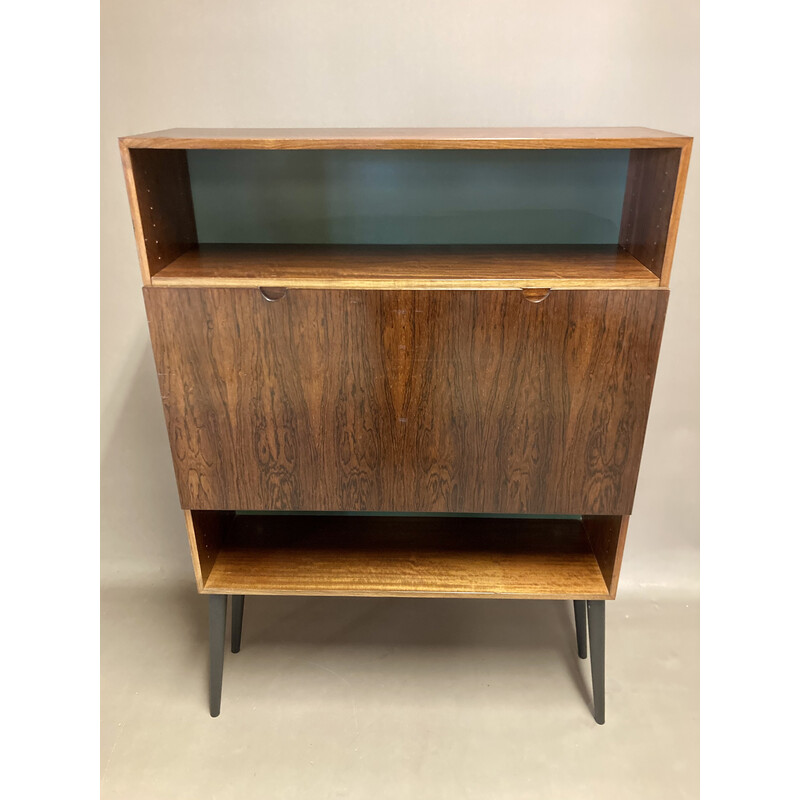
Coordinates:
[405,557]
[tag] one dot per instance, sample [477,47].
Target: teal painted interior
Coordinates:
[408,197]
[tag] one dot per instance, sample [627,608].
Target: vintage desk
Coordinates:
[406,362]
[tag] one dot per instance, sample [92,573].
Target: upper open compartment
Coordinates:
[407,209]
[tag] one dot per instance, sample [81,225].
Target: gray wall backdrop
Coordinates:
[196,63]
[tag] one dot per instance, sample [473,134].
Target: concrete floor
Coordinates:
[389,698]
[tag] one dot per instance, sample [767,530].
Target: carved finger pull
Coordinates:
[272,294]
[535,295]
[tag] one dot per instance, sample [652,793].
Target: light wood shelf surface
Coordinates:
[403,138]
[406,557]
[407,267]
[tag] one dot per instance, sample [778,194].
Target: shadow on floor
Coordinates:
[545,628]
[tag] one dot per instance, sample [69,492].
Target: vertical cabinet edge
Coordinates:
[133,202]
[162,208]
[675,217]
[205,530]
[607,536]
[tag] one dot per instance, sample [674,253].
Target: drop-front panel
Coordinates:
[448,401]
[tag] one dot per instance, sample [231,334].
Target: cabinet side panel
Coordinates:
[675,217]
[133,202]
[436,401]
[607,535]
[206,530]
[650,194]
[163,199]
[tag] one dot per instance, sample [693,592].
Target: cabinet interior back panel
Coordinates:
[408,197]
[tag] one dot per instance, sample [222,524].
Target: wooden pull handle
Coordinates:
[535,295]
[272,294]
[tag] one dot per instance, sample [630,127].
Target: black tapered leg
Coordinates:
[597,645]
[237,612]
[217,612]
[580,626]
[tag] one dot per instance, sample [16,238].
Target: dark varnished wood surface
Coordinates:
[406,401]
[206,530]
[650,194]
[403,138]
[160,195]
[407,267]
[606,536]
[406,557]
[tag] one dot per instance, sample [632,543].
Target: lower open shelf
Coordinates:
[399,556]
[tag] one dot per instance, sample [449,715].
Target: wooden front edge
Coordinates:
[404,139]
[675,216]
[133,201]
[607,536]
[205,530]
[249,590]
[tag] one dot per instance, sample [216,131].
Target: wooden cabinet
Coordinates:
[380,379]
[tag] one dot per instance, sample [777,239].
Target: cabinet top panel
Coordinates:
[404,139]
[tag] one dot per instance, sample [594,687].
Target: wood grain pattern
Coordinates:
[403,138]
[160,195]
[133,202]
[607,539]
[406,401]
[407,267]
[406,557]
[652,197]
[206,530]
[675,217]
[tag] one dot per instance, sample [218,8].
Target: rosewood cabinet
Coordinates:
[406,362]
